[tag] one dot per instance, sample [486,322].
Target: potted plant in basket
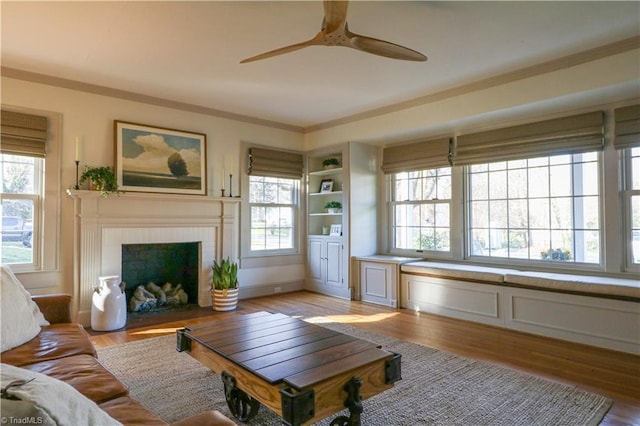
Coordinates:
[224,285]
[333,206]
[101,179]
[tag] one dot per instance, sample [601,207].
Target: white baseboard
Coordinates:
[269,289]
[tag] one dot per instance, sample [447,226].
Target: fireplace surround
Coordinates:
[104,224]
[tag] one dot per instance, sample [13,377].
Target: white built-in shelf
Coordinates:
[325,214]
[312,194]
[326,172]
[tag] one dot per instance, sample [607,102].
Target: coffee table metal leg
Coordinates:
[353,403]
[242,406]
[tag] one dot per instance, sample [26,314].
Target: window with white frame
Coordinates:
[632,200]
[22,193]
[421,210]
[273,204]
[537,209]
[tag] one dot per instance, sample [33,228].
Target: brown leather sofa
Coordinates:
[63,350]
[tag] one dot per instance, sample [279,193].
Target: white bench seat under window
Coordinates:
[576,283]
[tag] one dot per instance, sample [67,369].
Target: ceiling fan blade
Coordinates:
[384,48]
[335,32]
[335,15]
[282,50]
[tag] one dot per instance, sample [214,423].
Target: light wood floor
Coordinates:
[613,374]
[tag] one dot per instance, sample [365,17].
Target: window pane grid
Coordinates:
[421,210]
[273,207]
[632,205]
[21,204]
[536,209]
[635,169]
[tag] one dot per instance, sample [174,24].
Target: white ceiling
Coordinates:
[190,51]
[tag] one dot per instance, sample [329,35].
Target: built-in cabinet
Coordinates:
[325,262]
[378,278]
[334,236]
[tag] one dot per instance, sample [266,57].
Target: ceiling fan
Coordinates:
[335,32]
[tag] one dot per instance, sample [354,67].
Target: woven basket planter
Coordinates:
[224,300]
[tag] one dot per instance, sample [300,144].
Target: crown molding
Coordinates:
[137,97]
[508,77]
[569,61]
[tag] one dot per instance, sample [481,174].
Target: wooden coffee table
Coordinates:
[300,371]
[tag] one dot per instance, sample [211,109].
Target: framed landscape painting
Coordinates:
[155,159]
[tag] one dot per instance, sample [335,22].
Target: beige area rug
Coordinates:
[437,388]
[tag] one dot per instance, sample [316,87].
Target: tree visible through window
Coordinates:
[21,194]
[544,209]
[421,203]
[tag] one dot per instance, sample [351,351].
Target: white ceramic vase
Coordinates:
[109,304]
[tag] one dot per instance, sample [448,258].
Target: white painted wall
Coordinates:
[91,117]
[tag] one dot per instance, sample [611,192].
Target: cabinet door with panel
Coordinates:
[377,281]
[325,259]
[315,262]
[333,263]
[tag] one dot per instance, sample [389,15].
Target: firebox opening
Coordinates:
[171,267]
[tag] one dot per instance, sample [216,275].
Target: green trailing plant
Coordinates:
[225,275]
[330,162]
[102,178]
[333,205]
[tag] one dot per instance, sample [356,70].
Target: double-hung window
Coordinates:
[421,206]
[22,164]
[627,141]
[274,201]
[419,199]
[21,202]
[274,206]
[632,200]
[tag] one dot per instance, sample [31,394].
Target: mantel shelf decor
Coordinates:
[100,179]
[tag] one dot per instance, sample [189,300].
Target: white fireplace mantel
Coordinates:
[103,224]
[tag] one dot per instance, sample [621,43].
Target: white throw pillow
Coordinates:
[59,400]
[20,316]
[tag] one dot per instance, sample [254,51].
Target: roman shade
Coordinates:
[627,133]
[567,135]
[23,134]
[275,163]
[421,155]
